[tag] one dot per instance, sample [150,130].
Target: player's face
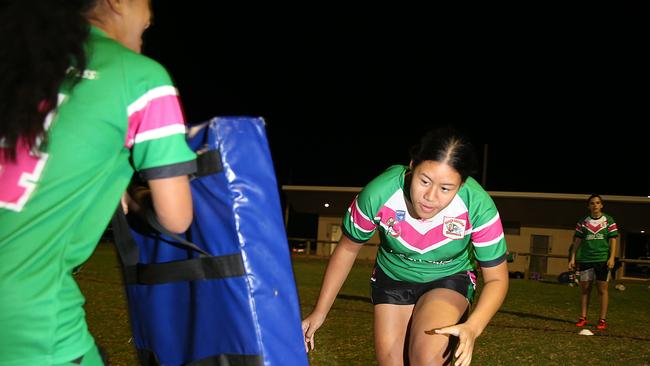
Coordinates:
[137,18]
[433,186]
[595,206]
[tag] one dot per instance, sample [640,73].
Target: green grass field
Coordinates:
[533,327]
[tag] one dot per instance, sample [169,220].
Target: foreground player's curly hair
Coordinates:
[41,40]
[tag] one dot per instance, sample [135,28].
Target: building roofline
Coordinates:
[503,194]
[320,188]
[569,196]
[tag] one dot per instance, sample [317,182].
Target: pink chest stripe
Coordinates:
[408,233]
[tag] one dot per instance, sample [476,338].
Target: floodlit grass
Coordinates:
[533,327]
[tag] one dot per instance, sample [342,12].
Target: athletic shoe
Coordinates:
[582,321]
[602,324]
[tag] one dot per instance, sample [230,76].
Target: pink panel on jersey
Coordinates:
[160,112]
[359,219]
[488,233]
[18,178]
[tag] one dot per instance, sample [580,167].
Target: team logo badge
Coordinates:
[394,227]
[400,214]
[453,228]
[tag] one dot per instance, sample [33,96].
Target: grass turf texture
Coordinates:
[533,327]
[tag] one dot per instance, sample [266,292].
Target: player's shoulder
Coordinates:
[473,186]
[473,194]
[610,218]
[390,179]
[382,188]
[110,54]
[141,64]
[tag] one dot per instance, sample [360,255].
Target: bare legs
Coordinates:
[435,309]
[603,296]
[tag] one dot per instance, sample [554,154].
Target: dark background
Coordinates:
[558,94]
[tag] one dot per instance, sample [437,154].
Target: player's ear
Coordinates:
[116,6]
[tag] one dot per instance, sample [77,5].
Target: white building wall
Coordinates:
[327,232]
[559,242]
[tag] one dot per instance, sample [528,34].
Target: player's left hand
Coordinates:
[467,337]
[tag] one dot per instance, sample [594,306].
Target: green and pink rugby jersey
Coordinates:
[595,235]
[414,250]
[55,204]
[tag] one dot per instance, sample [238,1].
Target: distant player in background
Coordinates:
[593,254]
[435,223]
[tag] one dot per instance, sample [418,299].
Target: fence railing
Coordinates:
[311,245]
[541,255]
[311,249]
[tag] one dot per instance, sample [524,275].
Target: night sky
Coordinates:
[345,92]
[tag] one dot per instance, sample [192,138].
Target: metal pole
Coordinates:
[286,216]
[485,165]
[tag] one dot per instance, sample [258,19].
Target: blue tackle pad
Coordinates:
[224,292]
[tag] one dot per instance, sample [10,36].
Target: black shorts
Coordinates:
[385,290]
[600,271]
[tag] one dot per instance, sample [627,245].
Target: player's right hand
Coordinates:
[572,265]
